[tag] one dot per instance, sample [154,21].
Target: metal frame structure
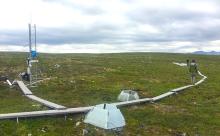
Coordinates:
[32,61]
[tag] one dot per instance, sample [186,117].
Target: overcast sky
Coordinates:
[101,26]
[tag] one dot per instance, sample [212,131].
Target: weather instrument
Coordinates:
[31,75]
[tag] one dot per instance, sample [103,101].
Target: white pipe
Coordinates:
[9,83]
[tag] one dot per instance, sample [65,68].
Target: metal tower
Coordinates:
[32,60]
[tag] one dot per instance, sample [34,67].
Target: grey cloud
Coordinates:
[174,25]
[94,10]
[192,24]
[13,37]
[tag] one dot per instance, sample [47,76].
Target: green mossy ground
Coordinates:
[89,79]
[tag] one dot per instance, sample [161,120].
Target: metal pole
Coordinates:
[35,38]
[35,44]
[17,120]
[29,25]
[30,56]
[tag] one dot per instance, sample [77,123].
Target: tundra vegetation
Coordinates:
[89,79]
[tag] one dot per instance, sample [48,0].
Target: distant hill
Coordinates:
[207,53]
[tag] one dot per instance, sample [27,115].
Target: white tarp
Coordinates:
[106,116]
[128,95]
